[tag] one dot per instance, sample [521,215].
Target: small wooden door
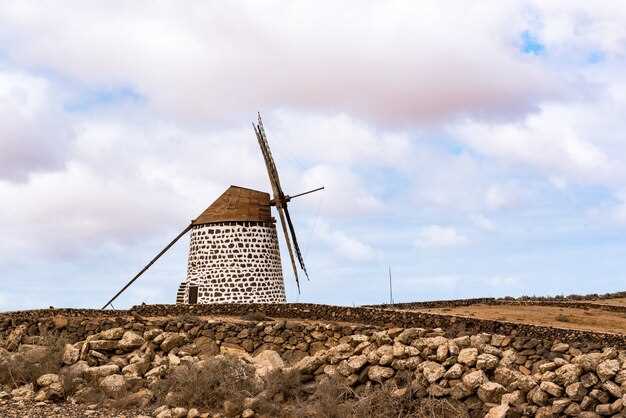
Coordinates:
[193,294]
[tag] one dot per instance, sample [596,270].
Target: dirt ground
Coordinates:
[573,318]
[23,409]
[612,302]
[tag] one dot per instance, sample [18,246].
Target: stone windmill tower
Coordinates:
[233,254]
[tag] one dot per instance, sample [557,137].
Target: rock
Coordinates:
[589,362]
[103,345]
[408,335]
[539,397]
[499,411]
[14,339]
[607,369]
[24,392]
[551,388]
[432,371]
[52,392]
[71,354]
[166,413]
[179,412]
[101,371]
[111,334]
[172,340]
[48,379]
[473,380]
[454,372]
[266,362]
[576,391]
[589,379]
[140,399]
[514,398]
[613,389]
[604,409]
[573,410]
[339,352]
[247,413]
[568,374]
[130,340]
[309,364]
[486,362]
[380,373]
[137,369]
[114,386]
[560,348]
[468,356]
[59,322]
[357,362]
[491,392]
[193,413]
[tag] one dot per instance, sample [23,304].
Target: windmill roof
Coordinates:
[237,204]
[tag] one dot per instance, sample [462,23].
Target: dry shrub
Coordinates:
[209,383]
[563,318]
[16,371]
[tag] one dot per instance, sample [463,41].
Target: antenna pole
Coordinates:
[148,265]
[390,288]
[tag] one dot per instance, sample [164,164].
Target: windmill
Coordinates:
[233,253]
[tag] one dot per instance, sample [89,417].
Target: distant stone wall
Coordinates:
[235,262]
[562,303]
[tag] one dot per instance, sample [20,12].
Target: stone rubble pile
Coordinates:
[492,375]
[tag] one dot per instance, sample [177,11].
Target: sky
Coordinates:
[474,148]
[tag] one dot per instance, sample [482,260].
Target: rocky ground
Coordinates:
[29,409]
[198,367]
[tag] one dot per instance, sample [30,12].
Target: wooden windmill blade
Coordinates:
[295,242]
[279,196]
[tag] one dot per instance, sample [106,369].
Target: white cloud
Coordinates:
[209,61]
[344,244]
[437,236]
[34,135]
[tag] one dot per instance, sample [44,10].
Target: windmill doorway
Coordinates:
[193,294]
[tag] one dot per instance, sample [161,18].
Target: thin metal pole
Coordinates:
[310,191]
[148,266]
[390,288]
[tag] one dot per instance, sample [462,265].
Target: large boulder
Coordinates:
[266,362]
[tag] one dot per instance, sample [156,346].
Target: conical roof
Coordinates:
[237,204]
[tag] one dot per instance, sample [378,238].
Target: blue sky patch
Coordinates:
[531,45]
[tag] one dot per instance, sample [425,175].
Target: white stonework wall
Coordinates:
[235,262]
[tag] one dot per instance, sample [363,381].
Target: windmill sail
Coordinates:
[295,242]
[279,196]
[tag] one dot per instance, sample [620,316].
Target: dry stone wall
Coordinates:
[235,262]
[491,374]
